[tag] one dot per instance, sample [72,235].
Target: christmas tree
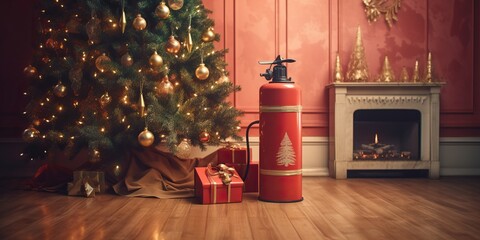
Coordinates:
[110,75]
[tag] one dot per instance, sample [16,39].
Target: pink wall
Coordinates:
[312,31]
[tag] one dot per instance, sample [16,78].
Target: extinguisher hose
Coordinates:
[248,149]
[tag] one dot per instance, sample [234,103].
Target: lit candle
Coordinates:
[376,138]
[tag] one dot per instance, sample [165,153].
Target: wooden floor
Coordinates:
[333,209]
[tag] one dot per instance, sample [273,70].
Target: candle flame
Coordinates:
[376,138]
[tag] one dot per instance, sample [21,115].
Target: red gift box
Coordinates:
[209,189]
[233,155]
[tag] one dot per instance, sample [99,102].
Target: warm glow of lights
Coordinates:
[61,136]
[95,75]
[25,93]
[188,114]
[178,105]
[376,138]
[72,137]
[176,83]
[21,154]
[75,103]
[60,108]
[102,129]
[41,104]
[128,127]
[196,95]
[114,72]
[238,128]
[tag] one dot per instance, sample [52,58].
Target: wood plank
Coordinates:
[333,209]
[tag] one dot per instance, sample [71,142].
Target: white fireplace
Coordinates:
[376,107]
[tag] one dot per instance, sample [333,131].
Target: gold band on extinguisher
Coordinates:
[294,108]
[280,172]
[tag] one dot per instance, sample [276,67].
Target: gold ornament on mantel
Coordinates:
[404,75]
[139,23]
[387,74]
[428,71]
[357,67]
[338,74]
[415,74]
[373,9]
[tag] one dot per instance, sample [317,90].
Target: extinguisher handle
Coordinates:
[248,149]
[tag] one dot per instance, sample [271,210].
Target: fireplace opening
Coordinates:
[386,134]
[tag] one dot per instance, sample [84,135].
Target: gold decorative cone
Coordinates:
[357,67]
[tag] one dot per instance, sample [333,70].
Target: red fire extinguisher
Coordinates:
[280,136]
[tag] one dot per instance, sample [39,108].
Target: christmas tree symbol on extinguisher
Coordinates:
[286,154]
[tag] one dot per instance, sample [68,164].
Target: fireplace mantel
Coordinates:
[347,97]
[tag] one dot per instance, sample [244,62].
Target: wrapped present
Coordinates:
[233,154]
[220,184]
[251,183]
[87,183]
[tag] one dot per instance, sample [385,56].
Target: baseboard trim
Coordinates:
[459,171]
[309,172]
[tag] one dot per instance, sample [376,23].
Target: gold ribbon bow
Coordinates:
[223,171]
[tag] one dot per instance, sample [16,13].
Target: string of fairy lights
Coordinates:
[63,101]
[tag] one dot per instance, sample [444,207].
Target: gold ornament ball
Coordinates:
[146,138]
[102,62]
[156,60]
[126,60]
[172,46]
[184,149]
[202,72]
[175,4]
[139,23]
[105,99]
[30,71]
[208,35]
[162,11]
[165,87]
[30,134]
[204,137]
[60,90]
